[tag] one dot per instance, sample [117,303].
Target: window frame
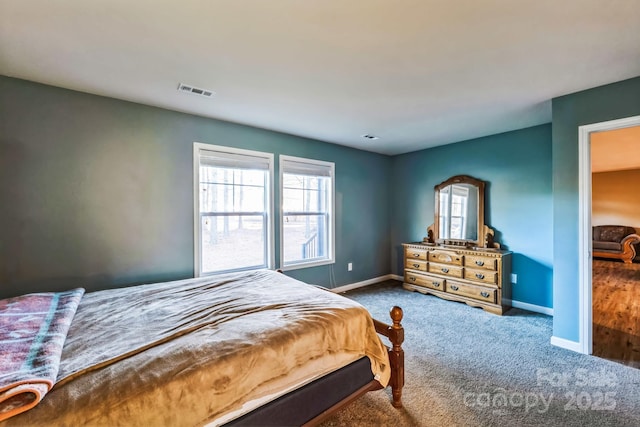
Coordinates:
[331,256]
[199,147]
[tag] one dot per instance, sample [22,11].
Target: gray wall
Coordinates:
[97,192]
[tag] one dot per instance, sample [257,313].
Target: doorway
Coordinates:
[585,224]
[615,213]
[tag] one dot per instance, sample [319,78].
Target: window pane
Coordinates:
[292,181]
[302,193]
[226,190]
[232,242]
[222,175]
[250,177]
[304,237]
[248,199]
[293,200]
[211,174]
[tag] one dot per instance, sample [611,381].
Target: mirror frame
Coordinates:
[461,179]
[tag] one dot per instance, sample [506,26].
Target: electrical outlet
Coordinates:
[350,266]
[514,278]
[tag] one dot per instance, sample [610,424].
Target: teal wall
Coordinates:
[517,169]
[614,101]
[97,192]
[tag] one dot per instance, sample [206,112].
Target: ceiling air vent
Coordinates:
[370,137]
[195,90]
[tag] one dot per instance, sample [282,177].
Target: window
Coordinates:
[233,209]
[307,212]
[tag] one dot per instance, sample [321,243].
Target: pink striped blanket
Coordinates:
[33,329]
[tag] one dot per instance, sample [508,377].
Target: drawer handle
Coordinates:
[454,287]
[416,255]
[416,265]
[436,284]
[480,275]
[445,270]
[413,279]
[484,294]
[480,263]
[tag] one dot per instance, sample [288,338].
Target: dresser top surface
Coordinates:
[461,249]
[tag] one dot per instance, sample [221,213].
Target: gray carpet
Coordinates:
[466,367]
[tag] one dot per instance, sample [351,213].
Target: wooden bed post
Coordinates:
[395,333]
[396,356]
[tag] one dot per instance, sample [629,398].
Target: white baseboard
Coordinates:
[566,344]
[530,307]
[357,285]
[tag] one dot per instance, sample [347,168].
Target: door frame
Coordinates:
[584,221]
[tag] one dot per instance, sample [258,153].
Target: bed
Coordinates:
[256,348]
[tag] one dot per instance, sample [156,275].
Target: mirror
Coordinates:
[459,213]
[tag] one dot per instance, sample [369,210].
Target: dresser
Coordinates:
[477,277]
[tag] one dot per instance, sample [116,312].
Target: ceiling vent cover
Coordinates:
[195,90]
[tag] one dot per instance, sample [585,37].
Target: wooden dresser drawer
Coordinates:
[484,276]
[415,264]
[446,257]
[476,276]
[485,263]
[445,269]
[412,253]
[426,281]
[476,292]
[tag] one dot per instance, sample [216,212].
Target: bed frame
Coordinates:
[395,334]
[315,402]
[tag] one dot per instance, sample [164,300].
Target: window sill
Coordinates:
[298,266]
[236,270]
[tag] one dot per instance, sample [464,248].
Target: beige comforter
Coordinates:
[194,351]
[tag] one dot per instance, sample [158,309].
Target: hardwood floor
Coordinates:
[616,311]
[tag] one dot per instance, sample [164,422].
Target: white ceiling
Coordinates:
[415,73]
